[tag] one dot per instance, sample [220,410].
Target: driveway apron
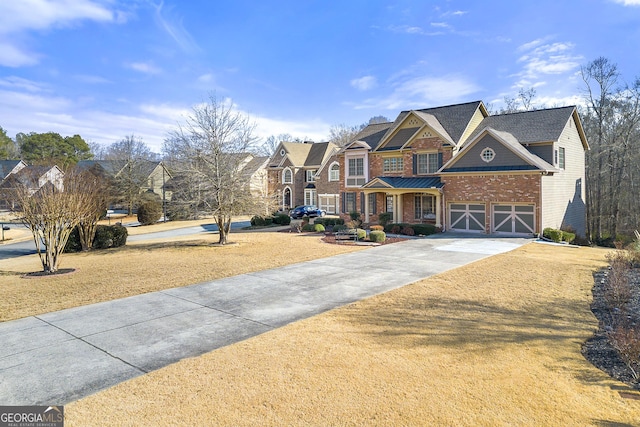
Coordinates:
[59,357]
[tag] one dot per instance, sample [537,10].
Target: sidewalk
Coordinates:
[59,357]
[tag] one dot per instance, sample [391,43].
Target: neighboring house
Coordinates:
[7,167]
[255,170]
[461,169]
[293,172]
[35,177]
[150,175]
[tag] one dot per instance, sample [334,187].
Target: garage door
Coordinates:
[467,217]
[513,219]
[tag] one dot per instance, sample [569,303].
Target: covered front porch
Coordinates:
[409,200]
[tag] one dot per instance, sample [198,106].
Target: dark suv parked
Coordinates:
[306,210]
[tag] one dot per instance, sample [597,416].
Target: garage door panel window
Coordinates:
[513,219]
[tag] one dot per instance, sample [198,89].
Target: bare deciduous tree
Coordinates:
[133,155]
[51,214]
[208,152]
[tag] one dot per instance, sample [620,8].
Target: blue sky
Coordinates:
[105,69]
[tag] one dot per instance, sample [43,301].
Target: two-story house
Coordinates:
[461,169]
[301,174]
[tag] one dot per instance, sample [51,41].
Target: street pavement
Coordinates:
[59,357]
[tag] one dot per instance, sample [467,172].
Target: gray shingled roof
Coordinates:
[453,118]
[372,134]
[318,152]
[529,126]
[400,138]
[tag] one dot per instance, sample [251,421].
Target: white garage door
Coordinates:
[467,217]
[513,219]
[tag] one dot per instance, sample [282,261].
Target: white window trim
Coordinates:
[310,175]
[330,170]
[487,154]
[357,180]
[284,173]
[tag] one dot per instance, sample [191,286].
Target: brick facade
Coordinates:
[488,189]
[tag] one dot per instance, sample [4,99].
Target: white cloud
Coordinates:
[364,83]
[542,58]
[18,17]
[628,2]
[410,91]
[144,67]
[175,29]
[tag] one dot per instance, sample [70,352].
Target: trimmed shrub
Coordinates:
[261,221]
[376,228]
[329,221]
[318,228]
[282,219]
[308,227]
[362,234]
[377,236]
[107,236]
[395,228]
[339,227]
[553,234]
[149,212]
[568,237]
[424,229]
[408,231]
[110,236]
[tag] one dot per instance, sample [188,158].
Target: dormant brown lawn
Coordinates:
[494,343]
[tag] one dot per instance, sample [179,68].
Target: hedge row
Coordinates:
[558,235]
[329,221]
[264,221]
[411,229]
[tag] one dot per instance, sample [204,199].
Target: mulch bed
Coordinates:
[331,238]
[39,274]
[597,349]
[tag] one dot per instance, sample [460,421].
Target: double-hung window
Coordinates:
[424,207]
[355,172]
[427,163]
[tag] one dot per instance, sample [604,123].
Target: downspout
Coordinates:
[444,213]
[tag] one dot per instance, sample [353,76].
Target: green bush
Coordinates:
[408,231]
[282,219]
[377,236]
[362,234]
[149,211]
[385,218]
[552,234]
[318,228]
[329,221]
[308,227]
[110,236]
[339,227]
[568,237]
[424,229]
[73,243]
[261,221]
[107,236]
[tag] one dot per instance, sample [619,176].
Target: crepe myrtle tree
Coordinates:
[209,151]
[50,213]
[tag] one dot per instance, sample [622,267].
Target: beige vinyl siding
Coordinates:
[563,193]
[503,157]
[473,124]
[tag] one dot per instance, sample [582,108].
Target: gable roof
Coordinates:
[8,166]
[534,126]
[509,141]
[111,167]
[449,121]
[254,165]
[372,134]
[319,152]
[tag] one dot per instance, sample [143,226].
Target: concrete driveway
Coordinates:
[55,358]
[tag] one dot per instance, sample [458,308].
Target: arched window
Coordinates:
[334,172]
[287,176]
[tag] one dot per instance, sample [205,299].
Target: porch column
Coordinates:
[366,207]
[438,210]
